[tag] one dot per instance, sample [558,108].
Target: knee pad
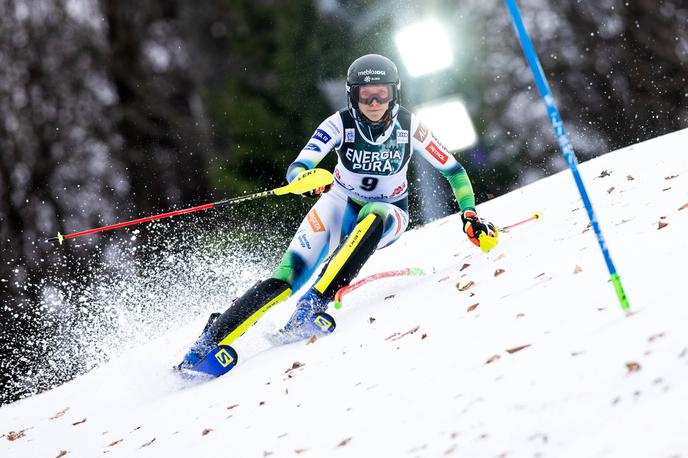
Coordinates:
[373,208]
[394,220]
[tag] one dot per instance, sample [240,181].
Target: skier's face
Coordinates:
[371,101]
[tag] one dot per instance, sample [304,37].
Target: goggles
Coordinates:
[381,93]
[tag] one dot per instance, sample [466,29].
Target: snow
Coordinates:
[592,382]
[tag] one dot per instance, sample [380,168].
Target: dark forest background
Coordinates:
[114,109]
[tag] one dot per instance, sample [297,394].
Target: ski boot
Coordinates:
[205,357]
[308,319]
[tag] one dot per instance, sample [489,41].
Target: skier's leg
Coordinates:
[247,309]
[306,250]
[378,225]
[394,216]
[244,311]
[318,232]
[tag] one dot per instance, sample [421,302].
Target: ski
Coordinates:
[217,362]
[223,358]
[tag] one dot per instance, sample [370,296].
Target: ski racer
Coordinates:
[366,208]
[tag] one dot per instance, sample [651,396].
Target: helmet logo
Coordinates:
[370,71]
[366,79]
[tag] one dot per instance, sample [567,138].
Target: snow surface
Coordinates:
[419,367]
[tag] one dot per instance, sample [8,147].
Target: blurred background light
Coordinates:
[424,47]
[450,122]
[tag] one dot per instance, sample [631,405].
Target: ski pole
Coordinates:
[564,144]
[536,216]
[414,271]
[307,181]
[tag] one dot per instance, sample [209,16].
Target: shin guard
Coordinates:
[350,256]
[247,309]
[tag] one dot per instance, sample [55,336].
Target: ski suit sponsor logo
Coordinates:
[322,136]
[315,221]
[370,71]
[436,153]
[402,136]
[368,196]
[376,162]
[398,190]
[312,147]
[303,240]
[224,358]
[349,135]
[421,133]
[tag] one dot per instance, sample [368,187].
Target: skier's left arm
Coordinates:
[433,151]
[326,136]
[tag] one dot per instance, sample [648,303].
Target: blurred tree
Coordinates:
[270,100]
[630,72]
[267,101]
[618,71]
[55,139]
[159,113]
[101,121]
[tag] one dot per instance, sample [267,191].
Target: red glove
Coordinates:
[474,226]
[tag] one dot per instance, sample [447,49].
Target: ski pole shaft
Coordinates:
[61,238]
[534,217]
[309,180]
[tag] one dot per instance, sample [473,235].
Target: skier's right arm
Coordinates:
[328,135]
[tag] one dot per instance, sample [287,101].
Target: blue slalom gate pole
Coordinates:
[564,143]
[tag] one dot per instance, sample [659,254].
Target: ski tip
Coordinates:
[217,362]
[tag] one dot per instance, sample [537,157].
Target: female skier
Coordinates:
[365,209]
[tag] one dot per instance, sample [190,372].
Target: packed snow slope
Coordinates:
[520,352]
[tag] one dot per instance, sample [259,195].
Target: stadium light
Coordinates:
[450,121]
[424,47]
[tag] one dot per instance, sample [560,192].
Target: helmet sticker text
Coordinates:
[370,71]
